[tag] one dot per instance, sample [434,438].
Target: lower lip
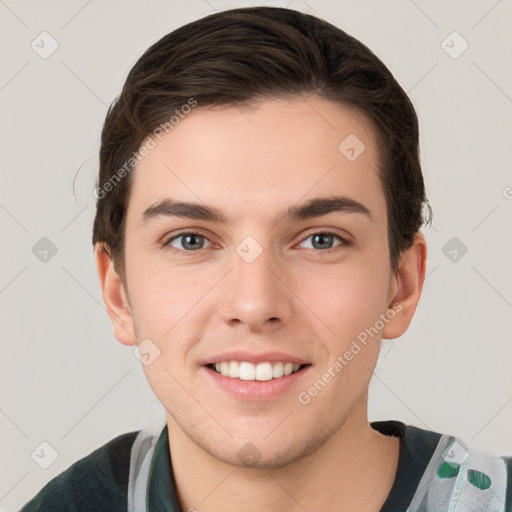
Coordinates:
[255,389]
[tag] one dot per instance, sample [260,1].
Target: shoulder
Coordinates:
[437,471]
[96,482]
[459,473]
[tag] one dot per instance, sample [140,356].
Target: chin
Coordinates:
[265,453]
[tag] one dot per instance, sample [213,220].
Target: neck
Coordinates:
[353,470]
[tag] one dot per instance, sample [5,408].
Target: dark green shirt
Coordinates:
[434,471]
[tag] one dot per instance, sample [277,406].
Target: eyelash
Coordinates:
[343,240]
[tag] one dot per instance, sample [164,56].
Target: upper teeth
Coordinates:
[262,371]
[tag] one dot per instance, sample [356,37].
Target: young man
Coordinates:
[257,234]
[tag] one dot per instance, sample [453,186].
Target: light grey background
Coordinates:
[66,381]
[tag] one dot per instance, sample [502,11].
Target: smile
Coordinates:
[245,370]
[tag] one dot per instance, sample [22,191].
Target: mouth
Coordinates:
[256,377]
[264,371]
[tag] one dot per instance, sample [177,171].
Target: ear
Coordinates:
[115,297]
[406,287]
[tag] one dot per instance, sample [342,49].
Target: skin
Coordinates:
[252,164]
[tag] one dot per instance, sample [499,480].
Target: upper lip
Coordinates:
[254,358]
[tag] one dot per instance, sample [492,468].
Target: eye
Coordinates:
[323,240]
[188,242]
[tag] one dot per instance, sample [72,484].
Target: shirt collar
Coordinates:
[416,449]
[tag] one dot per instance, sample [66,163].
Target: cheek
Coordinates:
[169,308]
[346,296]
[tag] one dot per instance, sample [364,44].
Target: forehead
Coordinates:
[261,158]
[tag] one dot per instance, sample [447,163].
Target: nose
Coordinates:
[254,294]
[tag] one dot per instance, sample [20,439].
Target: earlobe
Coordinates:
[408,284]
[115,297]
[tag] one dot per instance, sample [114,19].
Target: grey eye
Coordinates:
[189,242]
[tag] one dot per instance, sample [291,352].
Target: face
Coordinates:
[280,255]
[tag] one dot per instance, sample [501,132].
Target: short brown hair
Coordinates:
[237,57]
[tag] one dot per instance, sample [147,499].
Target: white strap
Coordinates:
[140,461]
[457,494]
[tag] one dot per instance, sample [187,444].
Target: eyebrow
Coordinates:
[315,207]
